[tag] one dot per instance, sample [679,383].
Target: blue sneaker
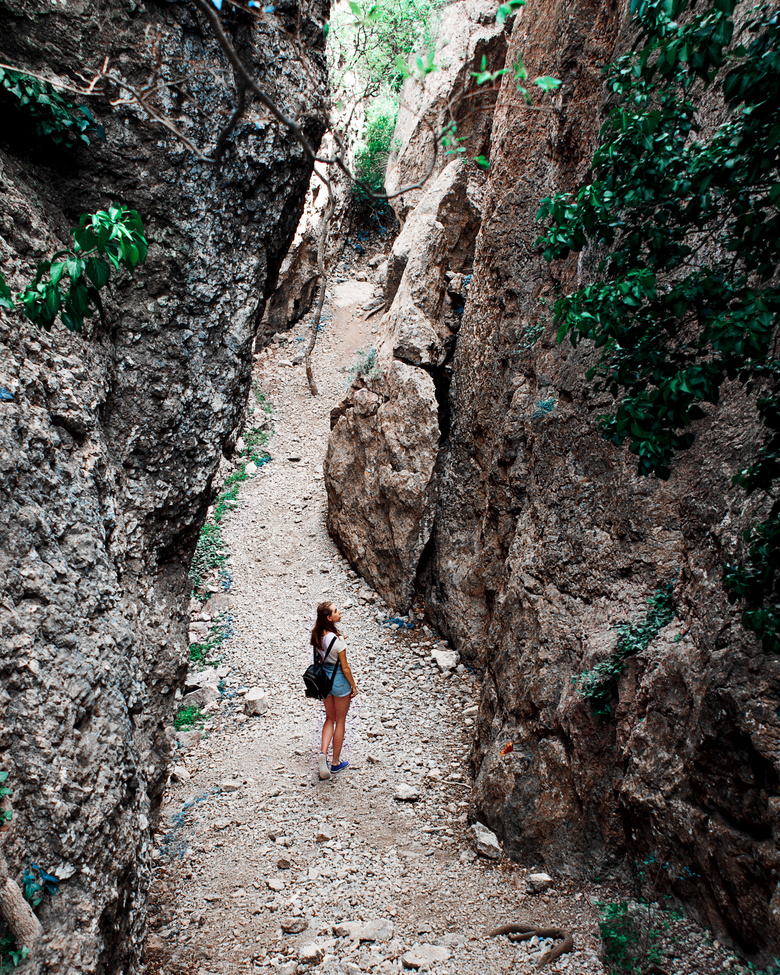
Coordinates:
[340,767]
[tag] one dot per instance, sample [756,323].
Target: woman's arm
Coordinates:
[347,672]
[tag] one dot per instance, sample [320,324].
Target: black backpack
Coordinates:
[318,684]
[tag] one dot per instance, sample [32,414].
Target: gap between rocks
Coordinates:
[260,867]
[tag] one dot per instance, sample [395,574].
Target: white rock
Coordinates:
[179,773]
[536,883]
[379,929]
[485,842]
[423,956]
[311,954]
[406,793]
[230,785]
[251,468]
[446,660]
[256,701]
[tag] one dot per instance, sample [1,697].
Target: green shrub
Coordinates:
[189,717]
[365,366]
[599,685]
[55,118]
[104,240]
[686,216]
[373,151]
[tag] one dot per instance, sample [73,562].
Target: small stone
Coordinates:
[256,701]
[230,785]
[537,883]
[294,925]
[288,968]
[251,468]
[311,954]
[485,842]
[180,774]
[274,884]
[445,660]
[421,957]
[406,793]
[284,863]
[380,929]
[324,835]
[219,603]
[348,929]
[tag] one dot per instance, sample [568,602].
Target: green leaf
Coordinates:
[98,271]
[546,83]
[7,302]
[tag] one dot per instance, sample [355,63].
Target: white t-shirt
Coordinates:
[332,654]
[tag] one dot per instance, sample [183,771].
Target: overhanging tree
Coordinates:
[688,295]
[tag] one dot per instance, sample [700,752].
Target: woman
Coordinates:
[327,640]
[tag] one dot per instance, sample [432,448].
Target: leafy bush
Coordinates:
[104,240]
[689,296]
[599,685]
[369,38]
[11,956]
[189,717]
[365,366]
[54,116]
[373,150]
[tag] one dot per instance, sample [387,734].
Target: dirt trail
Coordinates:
[253,844]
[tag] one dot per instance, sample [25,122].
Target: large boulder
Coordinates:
[386,434]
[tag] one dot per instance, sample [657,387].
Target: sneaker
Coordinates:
[340,767]
[322,763]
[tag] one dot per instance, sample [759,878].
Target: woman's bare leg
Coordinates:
[341,706]
[329,726]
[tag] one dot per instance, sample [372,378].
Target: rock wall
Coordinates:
[467,34]
[109,441]
[541,538]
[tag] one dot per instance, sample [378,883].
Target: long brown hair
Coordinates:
[323,624]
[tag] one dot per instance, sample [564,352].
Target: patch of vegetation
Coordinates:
[37,884]
[104,240]
[599,685]
[11,956]
[254,439]
[373,151]
[543,408]
[532,334]
[189,717]
[200,653]
[365,367]
[54,117]
[6,815]
[210,553]
[688,296]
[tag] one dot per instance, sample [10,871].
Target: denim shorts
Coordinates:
[341,686]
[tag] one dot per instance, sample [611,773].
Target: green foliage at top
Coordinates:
[687,296]
[54,116]
[368,38]
[104,240]
[599,685]
[368,47]
[373,151]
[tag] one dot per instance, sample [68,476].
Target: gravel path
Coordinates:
[253,845]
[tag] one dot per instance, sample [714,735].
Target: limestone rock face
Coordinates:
[467,33]
[386,434]
[544,539]
[109,441]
